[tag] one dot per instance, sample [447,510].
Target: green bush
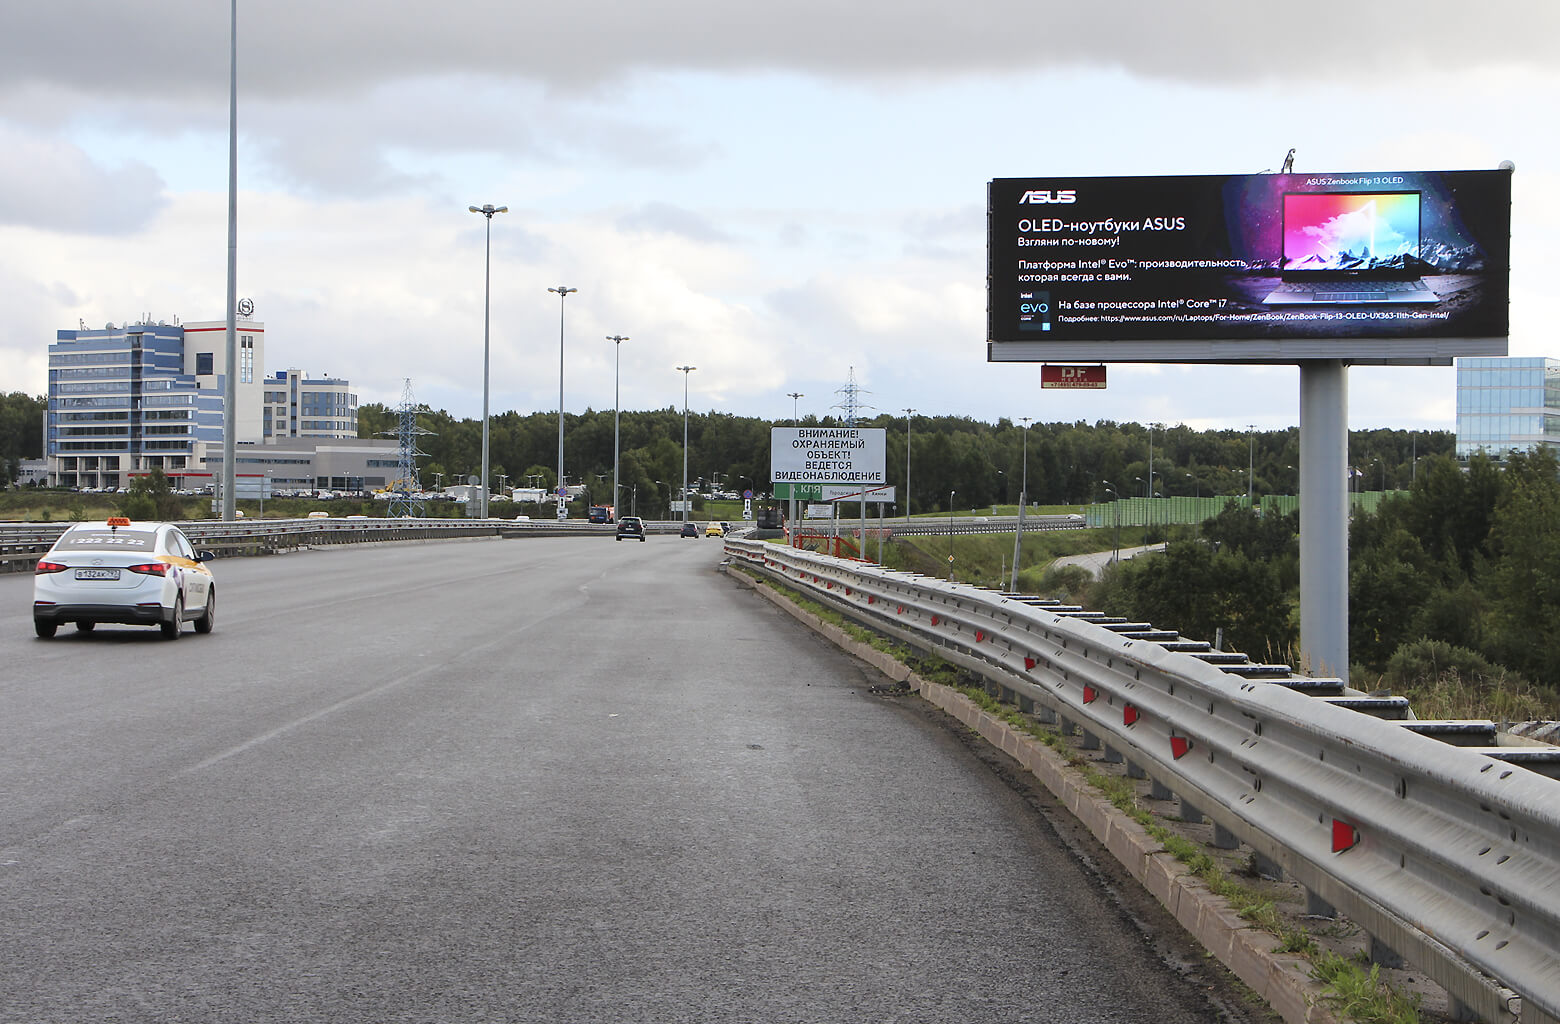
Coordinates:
[1442,680]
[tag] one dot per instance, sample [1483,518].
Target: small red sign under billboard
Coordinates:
[1072,376]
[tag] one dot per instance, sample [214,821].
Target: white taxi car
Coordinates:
[123,572]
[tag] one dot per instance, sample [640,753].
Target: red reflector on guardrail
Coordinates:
[1029,664]
[1179,745]
[1089,693]
[1344,836]
[1129,715]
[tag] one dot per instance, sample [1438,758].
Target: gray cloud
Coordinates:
[664,218]
[54,185]
[178,49]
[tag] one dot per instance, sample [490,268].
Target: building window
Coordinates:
[203,361]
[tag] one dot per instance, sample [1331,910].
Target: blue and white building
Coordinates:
[1507,403]
[296,405]
[126,400]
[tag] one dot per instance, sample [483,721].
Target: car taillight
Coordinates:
[151,568]
[44,568]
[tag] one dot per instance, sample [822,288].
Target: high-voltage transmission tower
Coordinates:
[852,404]
[405,499]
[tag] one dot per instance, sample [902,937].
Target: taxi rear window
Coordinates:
[104,539]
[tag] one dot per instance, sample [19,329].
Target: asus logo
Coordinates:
[1061,195]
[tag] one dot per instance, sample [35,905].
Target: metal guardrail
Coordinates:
[930,526]
[22,544]
[1448,856]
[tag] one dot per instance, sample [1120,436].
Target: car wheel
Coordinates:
[171,630]
[641,539]
[45,629]
[85,627]
[620,538]
[208,619]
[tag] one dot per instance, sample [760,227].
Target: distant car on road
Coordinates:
[714,530]
[126,573]
[631,527]
[688,530]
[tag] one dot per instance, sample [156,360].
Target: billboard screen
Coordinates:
[1407,267]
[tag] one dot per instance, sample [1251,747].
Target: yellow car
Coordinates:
[714,530]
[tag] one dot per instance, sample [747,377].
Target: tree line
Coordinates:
[984,463]
[1457,577]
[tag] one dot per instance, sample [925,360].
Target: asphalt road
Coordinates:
[531,780]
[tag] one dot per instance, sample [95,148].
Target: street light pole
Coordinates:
[794,396]
[487,210]
[686,370]
[618,339]
[1251,463]
[563,507]
[950,535]
[1115,497]
[909,415]
[228,484]
[1023,500]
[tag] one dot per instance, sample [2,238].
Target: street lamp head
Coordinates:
[562,290]
[488,209]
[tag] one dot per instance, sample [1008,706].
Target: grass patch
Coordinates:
[1361,995]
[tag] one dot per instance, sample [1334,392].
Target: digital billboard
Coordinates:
[1378,267]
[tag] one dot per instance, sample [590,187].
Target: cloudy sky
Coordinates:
[778,194]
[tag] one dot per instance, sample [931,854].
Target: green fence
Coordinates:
[1185,510]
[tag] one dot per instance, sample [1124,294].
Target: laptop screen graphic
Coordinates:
[1350,231]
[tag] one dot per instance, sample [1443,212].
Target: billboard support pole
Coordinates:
[1324,517]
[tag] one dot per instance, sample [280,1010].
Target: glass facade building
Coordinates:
[301,406]
[124,401]
[120,403]
[1506,403]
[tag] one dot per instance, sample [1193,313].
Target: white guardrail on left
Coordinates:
[21,544]
[1449,856]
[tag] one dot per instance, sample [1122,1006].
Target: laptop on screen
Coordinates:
[1350,247]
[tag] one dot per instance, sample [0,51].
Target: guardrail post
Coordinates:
[1112,755]
[1315,906]
[1090,741]
[1135,772]
[1190,814]
[1266,866]
[1065,726]
[1045,714]
[1223,838]
[1159,791]
[1385,955]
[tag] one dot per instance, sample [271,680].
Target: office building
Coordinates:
[300,406]
[1507,403]
[126,400]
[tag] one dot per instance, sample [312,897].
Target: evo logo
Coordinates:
[1034,311]
[1055,196]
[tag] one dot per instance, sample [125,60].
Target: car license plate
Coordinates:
[97,574]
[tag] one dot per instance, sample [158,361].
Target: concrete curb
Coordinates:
[1250,953]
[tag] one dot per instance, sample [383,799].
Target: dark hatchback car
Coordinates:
[689,530]
[631,527]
